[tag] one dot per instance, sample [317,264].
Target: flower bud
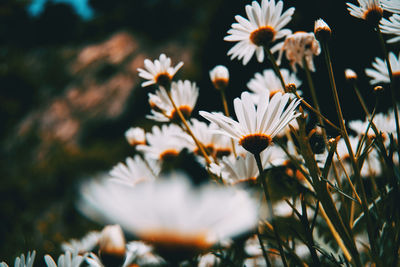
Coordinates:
[112,246]
[321,30]
[350,75]
[135,136]
[219,76]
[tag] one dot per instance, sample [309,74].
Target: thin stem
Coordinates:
[264,252]
[270,209]
[275,67]
[189,131]
[226,110]
[351,153]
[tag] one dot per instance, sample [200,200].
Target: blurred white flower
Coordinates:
[391,26]
[85,244]
[160,72]
[169,213]
[64,260]
[379,73]
[369,10]
[391,5]
[135,136]
[22,261]
[263,27]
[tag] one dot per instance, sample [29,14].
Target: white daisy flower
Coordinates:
[86,244]
[369,10]
[172,215]
[391,26]
[269,81]
[391,6]
[64,260]
[219,76]
[256,125]
[135,170]
[160,72]
[263,26]
[184,94]
[135,136]
[300,45]
[164,142]
[380,73]
[22,261]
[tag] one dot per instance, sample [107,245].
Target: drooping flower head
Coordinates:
[256,125]
[184,94]
[263,27]
[300,46]
[159,72]
[369,10]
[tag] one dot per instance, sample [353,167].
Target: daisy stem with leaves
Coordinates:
[264,185]
[353,160]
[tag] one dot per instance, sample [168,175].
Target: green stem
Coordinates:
[226,110]
[270,209]
[351,153]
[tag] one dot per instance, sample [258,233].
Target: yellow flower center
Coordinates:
[263,36]
[255,143]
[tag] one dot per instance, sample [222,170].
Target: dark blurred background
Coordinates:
[69,89]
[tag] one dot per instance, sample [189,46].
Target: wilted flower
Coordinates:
[160,72]
[263,26]
[299,47]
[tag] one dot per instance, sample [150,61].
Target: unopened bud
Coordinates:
[219,76]
[291,88]
[350,75]
[378,89]
[135,136]
[321,30]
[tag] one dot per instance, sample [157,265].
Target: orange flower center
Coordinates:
[163,79]
[263,36]
[255,143]
[220,83]
[373,15]
[184,109]
[169,154]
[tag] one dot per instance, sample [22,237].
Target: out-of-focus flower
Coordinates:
[21,261]
[137,252]
[369,10]
[209,260]
[256,125]
[263,27]
[164,143]
[350,75]
[135,170]
[64,260]
[184,94]
[298,47]
[172,215]
[391,5]
[158,72]
[135,136]
[269,81]
[219,76]
[379,73]
[391,26]
[86,244]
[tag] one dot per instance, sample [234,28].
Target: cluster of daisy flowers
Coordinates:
[271,198]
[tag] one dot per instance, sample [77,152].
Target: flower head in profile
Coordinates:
[300,47]
[269,81]
[172,215]
[219,76]
[256,125]
[184,94]
[369,10]
[380,74]
[391,26]
[158,72]
[135,136]
[263,27]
